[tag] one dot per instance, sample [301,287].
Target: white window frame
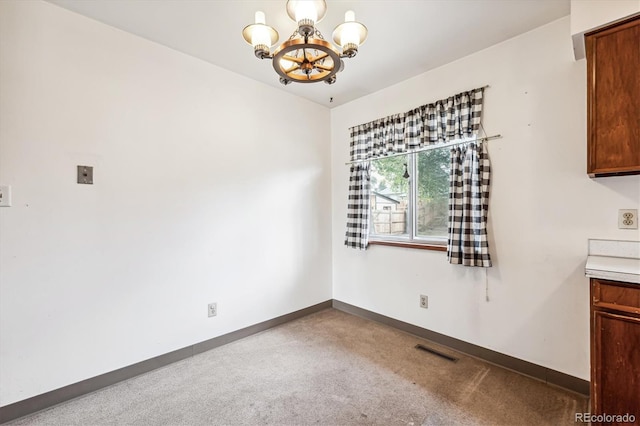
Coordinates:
[412,237]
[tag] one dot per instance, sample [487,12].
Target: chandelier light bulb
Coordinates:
[350,33]
[306,10]
[260,36]
[349,16]
[313,10]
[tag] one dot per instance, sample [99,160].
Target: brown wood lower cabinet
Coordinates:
[615,349]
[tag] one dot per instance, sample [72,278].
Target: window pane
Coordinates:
[432,193]
[389,197]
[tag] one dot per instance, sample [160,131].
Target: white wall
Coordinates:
[543,208]
[199,196]
[588,15]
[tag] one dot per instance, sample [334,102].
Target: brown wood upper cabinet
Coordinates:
[613,99]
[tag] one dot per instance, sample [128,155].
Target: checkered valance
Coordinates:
[445,120]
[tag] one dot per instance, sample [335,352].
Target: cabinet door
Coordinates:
[613,88]
[616,364]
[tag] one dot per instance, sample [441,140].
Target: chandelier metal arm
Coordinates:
[319,57]
[322,67]
[293,59]
[293,68]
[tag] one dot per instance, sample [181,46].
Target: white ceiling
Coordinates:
[406,37]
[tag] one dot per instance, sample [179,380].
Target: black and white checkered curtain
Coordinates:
[445,120]
[357,235]
[469,205]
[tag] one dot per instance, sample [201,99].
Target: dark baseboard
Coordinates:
[535,371]
[66,393]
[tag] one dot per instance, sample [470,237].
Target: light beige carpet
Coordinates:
[329,368]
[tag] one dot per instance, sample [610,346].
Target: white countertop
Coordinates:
[614,260]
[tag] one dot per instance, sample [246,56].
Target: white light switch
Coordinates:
[5,196]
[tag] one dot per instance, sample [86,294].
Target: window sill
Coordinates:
[409,245]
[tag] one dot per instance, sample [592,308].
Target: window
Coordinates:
[407,206]
[409,198]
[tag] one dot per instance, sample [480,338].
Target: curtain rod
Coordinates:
[430,147]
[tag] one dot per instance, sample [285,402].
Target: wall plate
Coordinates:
[628,219]
[85,175]
[424,301]
[212,309]
[5,195]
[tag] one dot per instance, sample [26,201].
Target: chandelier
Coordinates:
[306,57]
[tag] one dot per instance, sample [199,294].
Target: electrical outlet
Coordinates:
[628,219]
[424,301]
[213,309]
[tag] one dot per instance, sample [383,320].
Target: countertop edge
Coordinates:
[613,276]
